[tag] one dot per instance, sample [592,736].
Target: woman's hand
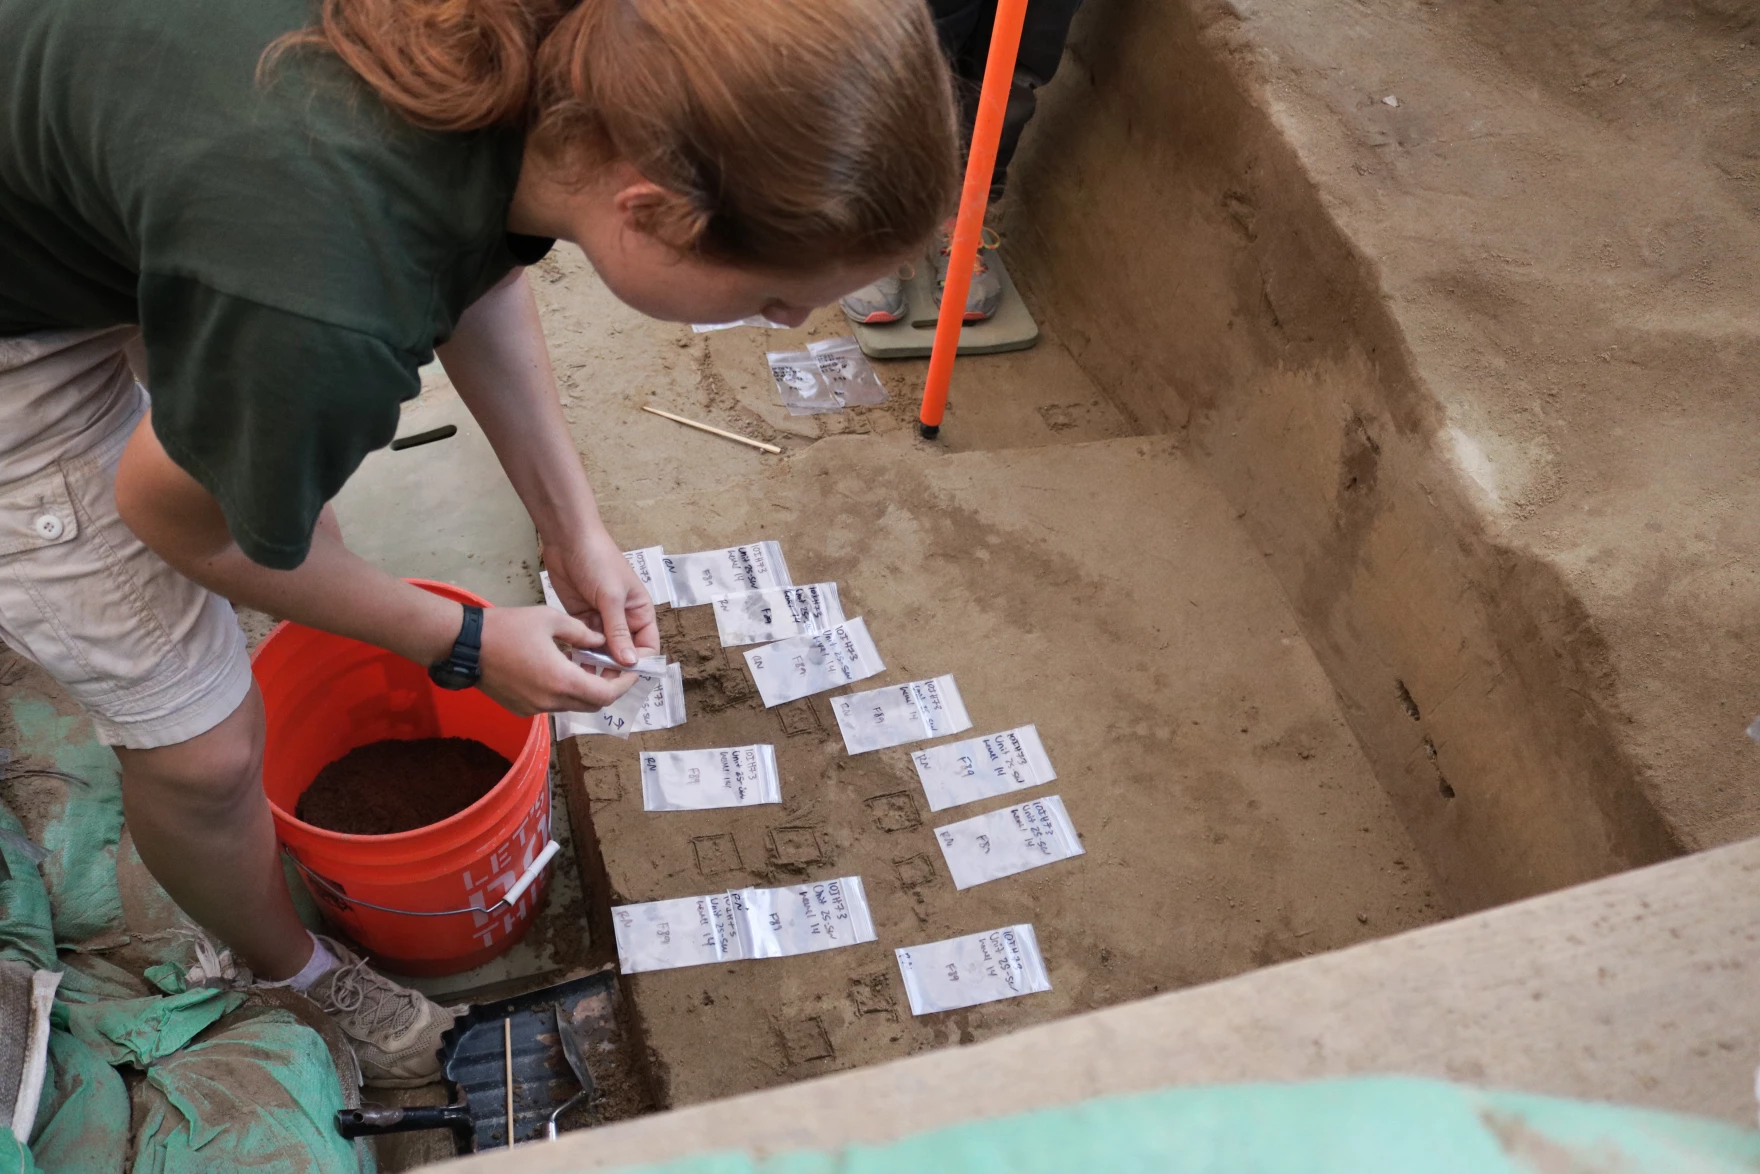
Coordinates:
[597,586]
[526,672]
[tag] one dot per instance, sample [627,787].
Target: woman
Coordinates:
[273,216]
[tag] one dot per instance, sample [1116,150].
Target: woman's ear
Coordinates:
[643,206]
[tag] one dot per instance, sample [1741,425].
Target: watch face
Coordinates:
[449,676]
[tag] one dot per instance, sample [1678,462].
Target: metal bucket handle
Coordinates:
[511,898]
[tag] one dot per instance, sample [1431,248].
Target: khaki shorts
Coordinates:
[156,658]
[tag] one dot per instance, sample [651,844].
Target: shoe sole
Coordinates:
[877,318]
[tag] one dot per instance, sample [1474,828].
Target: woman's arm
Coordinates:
[340,592]
[497,360]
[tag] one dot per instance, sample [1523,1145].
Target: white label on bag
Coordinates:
[896,714]
[650,567]
[1002,843]
[804,919]
[775,613]
[803,665]
[659,935]
[978,968]
[701,576]
[696,780]
[652,704]
[979,768]
[741,924]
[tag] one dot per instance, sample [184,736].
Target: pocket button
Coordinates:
[49,527]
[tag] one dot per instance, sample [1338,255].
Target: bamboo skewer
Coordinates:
[701,427]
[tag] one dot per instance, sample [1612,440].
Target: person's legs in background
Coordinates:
[965,27]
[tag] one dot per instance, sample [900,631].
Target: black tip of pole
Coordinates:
[928,431]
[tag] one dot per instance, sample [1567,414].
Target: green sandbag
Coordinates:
[25,935]
[258,1092]
[140,1031]
[82,838]
[82,1122]
[1334,1127]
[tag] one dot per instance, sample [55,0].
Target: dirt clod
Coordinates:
[397,786]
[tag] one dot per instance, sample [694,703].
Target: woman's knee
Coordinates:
[219,768]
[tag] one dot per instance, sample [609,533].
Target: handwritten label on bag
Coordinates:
[803,665]
[776,613]
[700,576]
[696,780]
[978,968]
[896,714]
[650,567]
[980,768]
[742,924]
[1002,843]
[651,703]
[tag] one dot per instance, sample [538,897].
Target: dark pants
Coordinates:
[965,37]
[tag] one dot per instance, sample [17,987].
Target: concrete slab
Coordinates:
[1102,591]
[1636,989]
[443,510]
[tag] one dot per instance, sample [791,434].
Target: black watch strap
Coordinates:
[463,667]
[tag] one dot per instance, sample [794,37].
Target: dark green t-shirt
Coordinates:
[291,249]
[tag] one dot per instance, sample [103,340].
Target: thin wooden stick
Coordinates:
[709,428]
[507,1059]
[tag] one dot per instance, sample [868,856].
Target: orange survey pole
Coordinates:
[1005,43]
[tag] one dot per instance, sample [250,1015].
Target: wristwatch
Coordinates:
[463,666]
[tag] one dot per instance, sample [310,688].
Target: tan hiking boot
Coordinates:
[395,1030]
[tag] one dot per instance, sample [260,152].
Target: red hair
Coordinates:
[788,133]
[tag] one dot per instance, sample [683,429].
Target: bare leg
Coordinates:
[203,829]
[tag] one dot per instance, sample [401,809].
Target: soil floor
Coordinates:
[1229,818]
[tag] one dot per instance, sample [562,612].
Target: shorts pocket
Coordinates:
[37,512]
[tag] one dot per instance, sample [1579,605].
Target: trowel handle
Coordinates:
[369,1120]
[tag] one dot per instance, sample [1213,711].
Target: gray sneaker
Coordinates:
[875,304]
[395,1030]
[985,295]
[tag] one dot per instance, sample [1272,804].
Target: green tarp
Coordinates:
[1367,1126]
[225,1084]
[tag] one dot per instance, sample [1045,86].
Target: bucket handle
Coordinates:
[511,898]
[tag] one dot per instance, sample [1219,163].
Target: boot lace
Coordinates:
[371,1000]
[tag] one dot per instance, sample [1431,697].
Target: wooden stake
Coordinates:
[507,1060]
[709,428]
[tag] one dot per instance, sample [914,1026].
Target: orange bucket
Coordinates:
[439,899]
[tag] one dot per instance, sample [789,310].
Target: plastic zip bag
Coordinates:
[742,924]
[1002,843]
[652,703]
[776,613]
[978,968]
[804,389]
[699,577]
[697,780]
[981,768]
[853,380]
[896,714]
[803,665]
[650,567]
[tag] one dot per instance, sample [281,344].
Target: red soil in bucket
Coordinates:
[394,786]
[324,696]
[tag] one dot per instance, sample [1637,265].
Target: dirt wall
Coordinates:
[1196,272]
